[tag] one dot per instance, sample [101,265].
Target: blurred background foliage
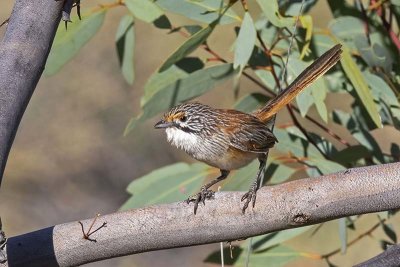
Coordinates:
[87,132]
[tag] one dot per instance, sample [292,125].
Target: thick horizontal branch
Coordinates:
[23,54]
[292,204]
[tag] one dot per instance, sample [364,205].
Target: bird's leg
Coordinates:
[251,195]
[205,193]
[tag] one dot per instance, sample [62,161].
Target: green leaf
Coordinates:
[275,257]
[144,10]
[197,83]
[67,43]
[167,184]
[314,94]
[269,240]
[205,11]
[383,94]
[375,55]
[270,9]
[298,146]
[160,80]
[347,28]
[251,102]
[245,42]
[125,42]
[388,229]
[351,154]
[307,23]
[343,235]
[241,179]
[355,76]
[188,46]
[278,173]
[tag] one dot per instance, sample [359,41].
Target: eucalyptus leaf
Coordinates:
[307,23]
[67,43]
[275,257]
[167,184]
[315,93]
[251,102]
[270,9]
[245,42]
[355,76]
[188,46]
[160,80]
[195,84]
[205,11]
[125,42]
[343,235]
[144,10]
[272,239]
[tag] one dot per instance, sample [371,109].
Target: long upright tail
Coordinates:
[308,76]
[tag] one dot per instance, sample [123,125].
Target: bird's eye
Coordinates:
[183,119]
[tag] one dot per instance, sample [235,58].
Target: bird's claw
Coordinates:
[200,197]
[251,195]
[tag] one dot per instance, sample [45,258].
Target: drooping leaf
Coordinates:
[388,229]
[269,240]
[343,235]
[386,98]
[350,154]
[300,148]
[195,84]
[251,102]
[160,80]
[67,43]
[270,9]
[241,179]
[278,173]
[275,257]
[125,42]
[245,42]
[215,257]
[205,11]
[347,29]
[374,55]
[315,93]
[188,46]
[167,184]
[359,132]
[144,10]
[355,76]
[307,23]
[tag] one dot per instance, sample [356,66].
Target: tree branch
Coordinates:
[23,53]
[389,258]
[293,204]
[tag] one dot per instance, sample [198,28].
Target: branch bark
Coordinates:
[23,54]
[293,204]
[389,258]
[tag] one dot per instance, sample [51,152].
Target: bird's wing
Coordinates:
[247,133]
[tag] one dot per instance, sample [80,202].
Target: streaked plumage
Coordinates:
[230,139]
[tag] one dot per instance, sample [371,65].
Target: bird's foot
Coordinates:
[200,197]
[251,195]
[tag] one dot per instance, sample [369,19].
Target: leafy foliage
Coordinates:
[366,76]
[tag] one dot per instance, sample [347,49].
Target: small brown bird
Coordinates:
[229,139]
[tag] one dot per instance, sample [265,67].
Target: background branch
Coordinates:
[23,53]
[293,204]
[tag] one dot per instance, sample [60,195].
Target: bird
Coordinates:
[229,139]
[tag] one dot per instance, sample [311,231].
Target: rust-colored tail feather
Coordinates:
[308,76]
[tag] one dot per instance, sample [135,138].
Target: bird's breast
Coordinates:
[213,150]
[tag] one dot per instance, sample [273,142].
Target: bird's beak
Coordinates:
[163,124]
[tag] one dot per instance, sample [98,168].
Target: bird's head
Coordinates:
[188,117]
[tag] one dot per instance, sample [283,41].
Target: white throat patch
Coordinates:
[182,139]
